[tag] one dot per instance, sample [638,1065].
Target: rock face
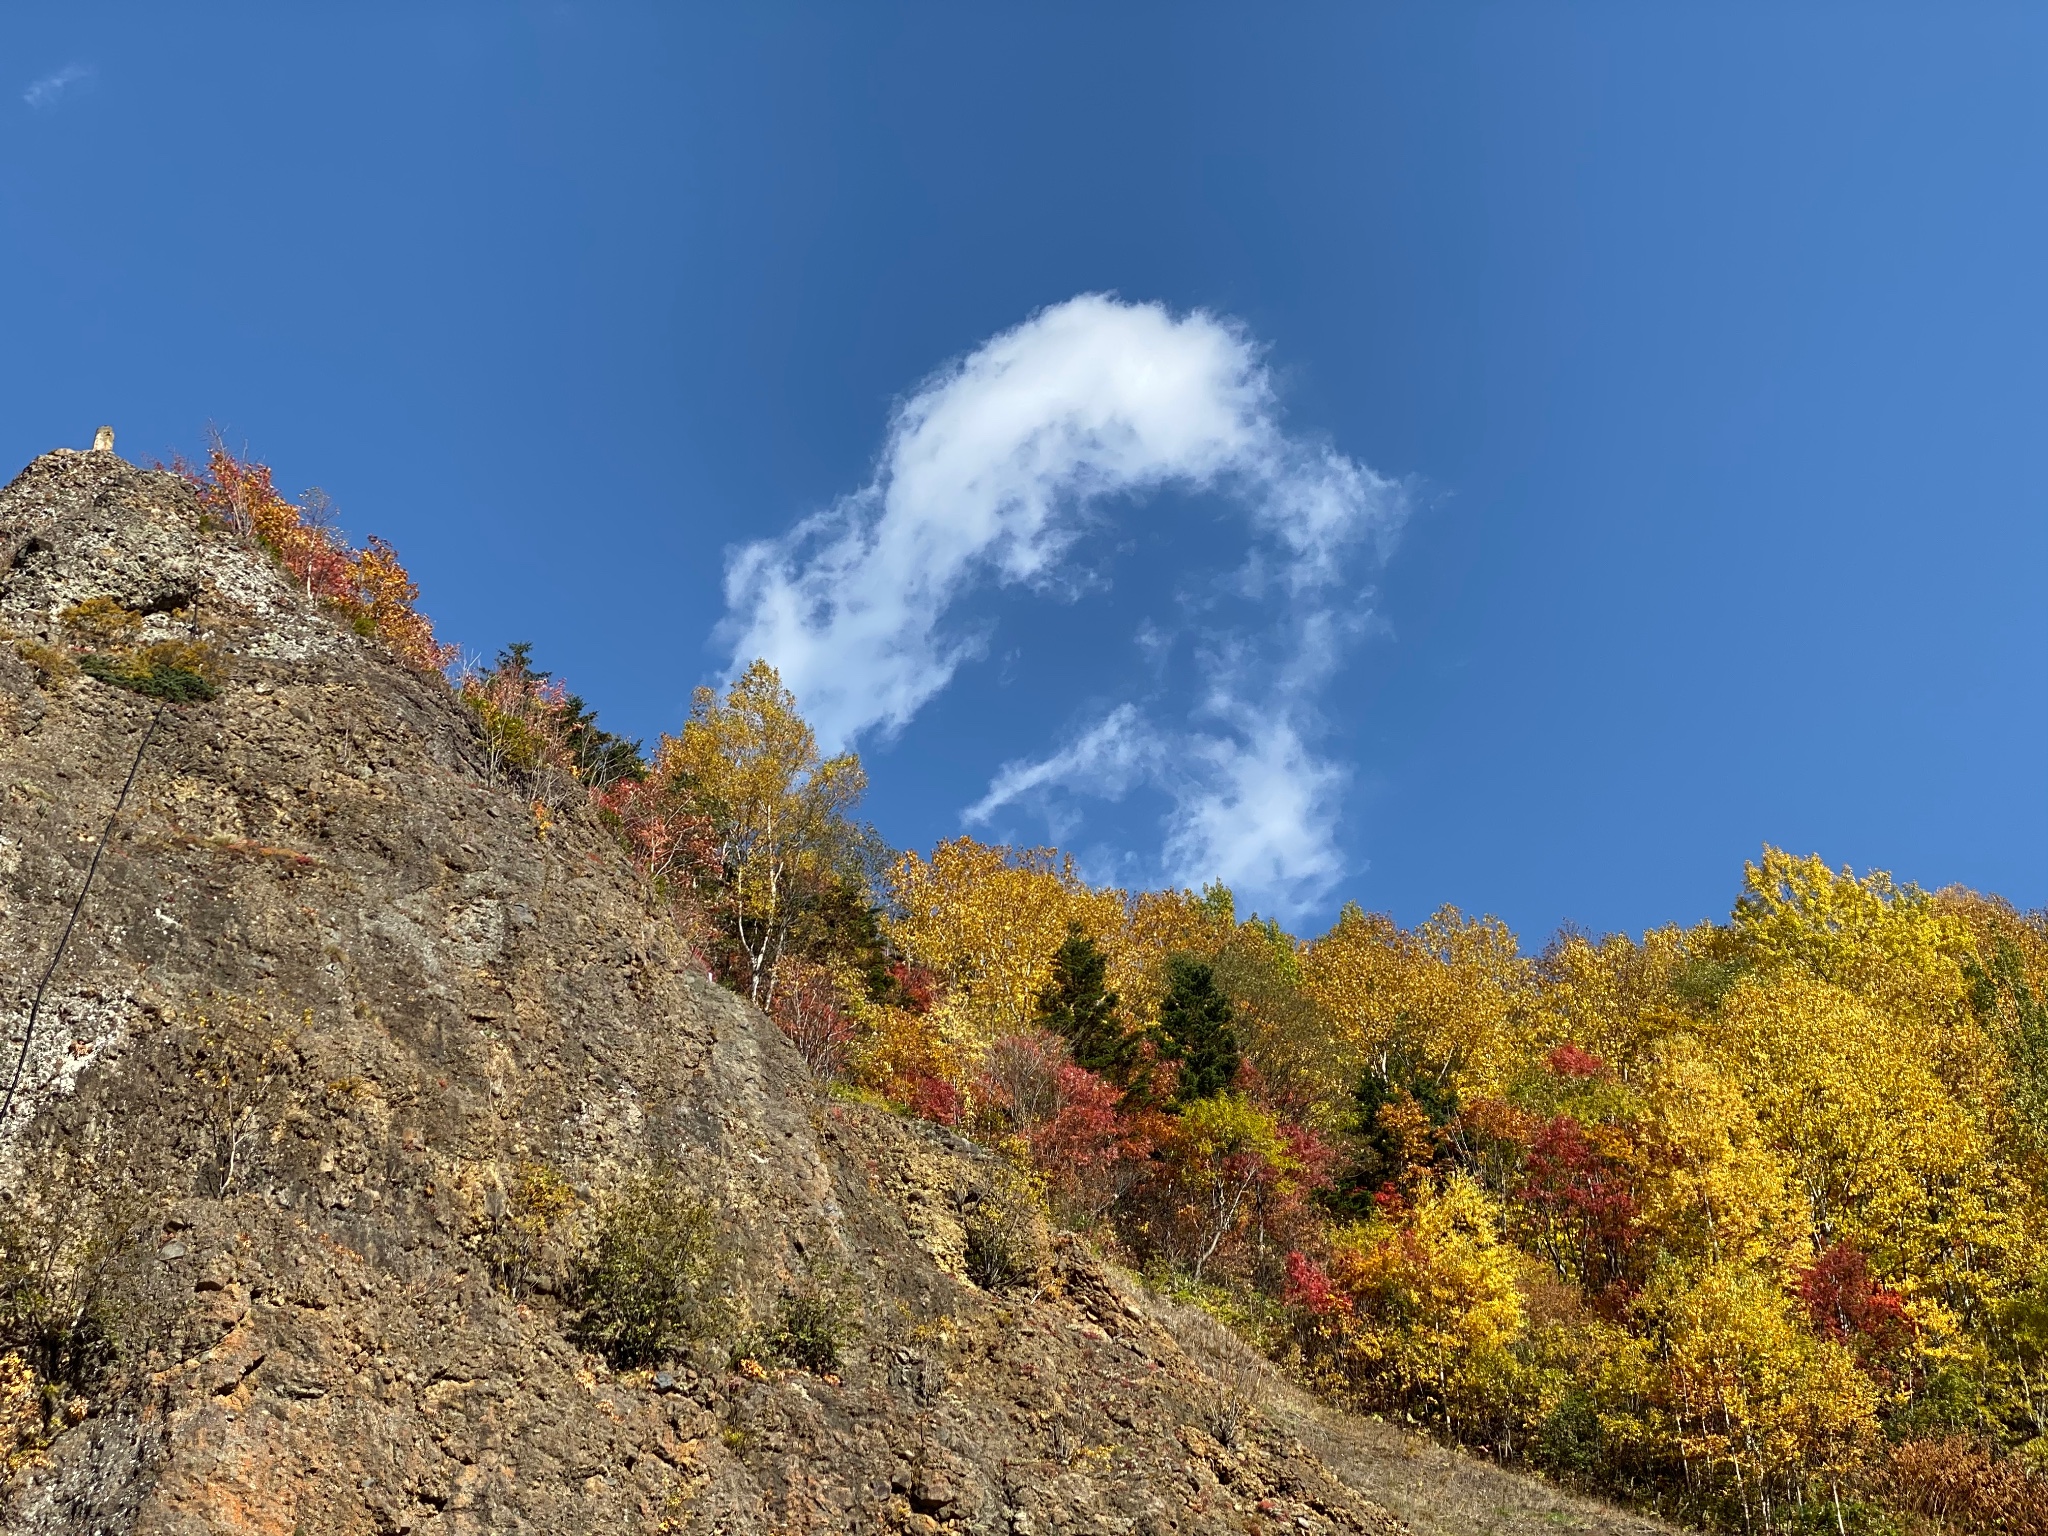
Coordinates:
[335,1007]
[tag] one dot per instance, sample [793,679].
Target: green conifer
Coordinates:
[1195,1025]
[1078,1006]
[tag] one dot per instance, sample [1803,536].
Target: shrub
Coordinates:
[1238,1395]
[1417,1314]
[21,1414]
[525,1242]
[812,1324]
[57,1335]
[100,623]
[180,671]
[237,1054]
[50,665]
[1954,1482]
[173,670]
[1008,1244]
[653,1282]
[368,588]
[807,1007]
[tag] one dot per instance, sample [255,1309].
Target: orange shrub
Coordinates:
[1953,1482]
[368,587]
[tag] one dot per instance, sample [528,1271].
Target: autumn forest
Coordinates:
[1741,1222]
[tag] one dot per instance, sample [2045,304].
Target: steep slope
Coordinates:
[335,1009]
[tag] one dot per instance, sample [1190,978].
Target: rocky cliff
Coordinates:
[345,1061]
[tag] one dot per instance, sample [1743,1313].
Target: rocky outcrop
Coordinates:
[336,1007]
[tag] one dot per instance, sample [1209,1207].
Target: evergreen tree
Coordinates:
[1195,1025]
[1078,1006]
[601,758]
[1376,1154]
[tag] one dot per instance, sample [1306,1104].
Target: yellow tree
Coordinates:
[1285,1032]
[1446,993]
[1763,1409]
[1891,943]
[1713,1189]
[988,920]
[778,809]
[1885,1154]
[1162,923]
[1221,1148]
[1619,998]
[1429,1306]
[1894,1077]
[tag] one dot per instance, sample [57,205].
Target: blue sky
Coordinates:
[1520,457]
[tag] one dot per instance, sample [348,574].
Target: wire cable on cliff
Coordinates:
[28,1033]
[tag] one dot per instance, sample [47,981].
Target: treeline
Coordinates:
[1743,1220]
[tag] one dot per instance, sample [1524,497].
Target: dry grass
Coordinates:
[1436,1490]
[1954,1484]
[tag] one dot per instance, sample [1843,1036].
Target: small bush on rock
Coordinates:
[526,1241]
[1008,1241]
[237,1053]
[100,623]
[811,1326]
[654,1280]
[51,665]
[175,670]
[106,634]
[58,1315]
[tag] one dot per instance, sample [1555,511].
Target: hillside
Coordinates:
[349,1053]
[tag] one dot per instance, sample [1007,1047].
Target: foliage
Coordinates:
[1222,1154]
[1197,1030]
[744,808]
[1078,1004]
[1958,1484]
[2012,1008]
[368,587]
[107,636]
[236,1054]
[51,664]
[654,1281]
[1075,1125]
[1760,1406]
[172,670]
[534,729]
[21,1415]
[1397,1133]
[812,1323]
[1007,1245]
[1417,1313]
[59,1320]
[988,923]
[810,1006]
[1445,993]
[526,1243]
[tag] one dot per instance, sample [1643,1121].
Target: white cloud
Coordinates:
[1118,752]
[47,91]
[990,473]
[1260,814]
[1252,806]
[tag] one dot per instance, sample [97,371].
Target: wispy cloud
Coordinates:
[49,90]
[1118,752]
[1251,800]
[990,473]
